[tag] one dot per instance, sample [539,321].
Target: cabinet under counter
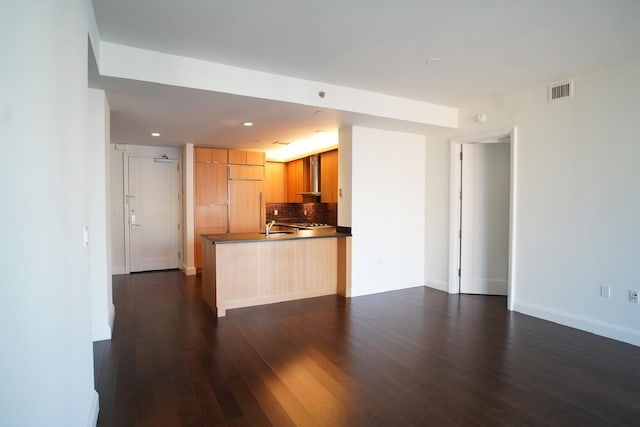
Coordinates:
[247,269]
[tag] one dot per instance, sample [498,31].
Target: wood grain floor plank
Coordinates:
[410,357]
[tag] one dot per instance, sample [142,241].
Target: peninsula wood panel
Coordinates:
[253,273]
[198,242]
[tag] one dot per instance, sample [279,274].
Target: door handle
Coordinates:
[133,222]
[260,216]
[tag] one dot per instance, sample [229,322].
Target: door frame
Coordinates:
[497,135]
[148,152]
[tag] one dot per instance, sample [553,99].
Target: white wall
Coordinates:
[188,215]
[344,177]
[46,362]
[116,177]
[577,199]
[387,209]
[102,308]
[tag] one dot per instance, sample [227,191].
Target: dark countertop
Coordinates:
[259,237]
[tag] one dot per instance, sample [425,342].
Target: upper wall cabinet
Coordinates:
[297,180]
[329,177]
[275,182]
[210,155]
[237,157]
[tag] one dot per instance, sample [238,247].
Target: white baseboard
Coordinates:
[104,331]
[92,420]
[112,317]
[118,269]
[440,285]
[588,324]
[189,270]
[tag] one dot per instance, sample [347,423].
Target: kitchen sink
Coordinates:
[273,233]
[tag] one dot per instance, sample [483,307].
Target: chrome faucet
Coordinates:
[267,227]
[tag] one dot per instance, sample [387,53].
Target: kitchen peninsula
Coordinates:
[247,269]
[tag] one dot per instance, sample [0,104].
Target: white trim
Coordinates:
[588,324]
[146,152]
[454,211]
[125,204]
[492,136]
[94,410]
[189,270]
[441,285]
[112,318]
[105,331]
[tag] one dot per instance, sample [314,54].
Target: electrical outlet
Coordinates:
[605,291]
[633,296]
[275,212]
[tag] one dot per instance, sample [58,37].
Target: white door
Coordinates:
[154,214]
[484,243]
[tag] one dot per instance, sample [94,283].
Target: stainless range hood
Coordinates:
[314,175]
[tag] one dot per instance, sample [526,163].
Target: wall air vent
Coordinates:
[560,90]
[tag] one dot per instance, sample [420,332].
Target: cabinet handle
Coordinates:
[260,219]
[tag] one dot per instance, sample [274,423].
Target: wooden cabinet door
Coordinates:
[329,177]
[246,206]
[246,172]
[211,184]
[255,158]
[295,177]
[210,155]
[210,198]
[275,182]
[239,157]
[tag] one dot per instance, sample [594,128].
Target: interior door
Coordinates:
[154,214]
[484,242]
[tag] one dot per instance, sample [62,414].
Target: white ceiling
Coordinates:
[486,48]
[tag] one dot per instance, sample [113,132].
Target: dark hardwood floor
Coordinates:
[410,357]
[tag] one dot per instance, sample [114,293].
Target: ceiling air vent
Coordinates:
[560,90]
[281,143]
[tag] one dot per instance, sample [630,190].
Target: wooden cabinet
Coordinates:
[210,198]
[210,155]
[297,180]
[329,177]
[255,173]
[275,182]
[246,206]
[238,157]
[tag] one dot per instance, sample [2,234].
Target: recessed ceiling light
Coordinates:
[247,124]
[433,60]
[155,134]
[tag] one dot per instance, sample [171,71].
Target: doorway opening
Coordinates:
[482,222]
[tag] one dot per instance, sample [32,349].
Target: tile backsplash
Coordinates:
[325,213]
